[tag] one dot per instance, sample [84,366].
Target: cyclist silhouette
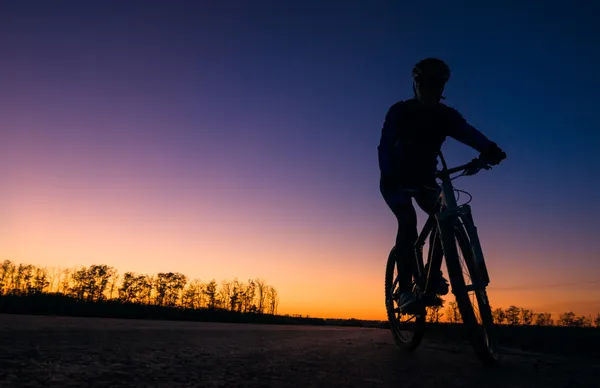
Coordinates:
[411,139]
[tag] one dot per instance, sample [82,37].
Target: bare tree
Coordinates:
[21,278]
[235,295]
[65,284]
[526,316]
[79,278]
[90,283]
[127,289]
[513,315]
[15,280]
[570,319]
[200,294]
[177,282]
[262,294]
[40,281]
[135,288]
[567,319]
[28,279]
[211,293]
[162,288]
[113,288]
[6,273]
[273,300]
[499,316]
[99,277]
[53,277]
[60,274]
[168,288]
[452,313]
[248,297]
[147,290]
[583,321]
[597,320]
[192,295]
[434,313]
[543,319]
[225,293]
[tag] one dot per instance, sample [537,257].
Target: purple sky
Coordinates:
[257,124]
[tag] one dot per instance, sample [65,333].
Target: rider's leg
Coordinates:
[429,201]
[400,202]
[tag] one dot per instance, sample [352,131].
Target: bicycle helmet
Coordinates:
[431,69]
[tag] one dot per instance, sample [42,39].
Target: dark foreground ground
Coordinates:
[81,352]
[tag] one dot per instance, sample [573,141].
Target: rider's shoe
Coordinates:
[441,285]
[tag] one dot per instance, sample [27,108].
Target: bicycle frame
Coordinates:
[441,222]
[450,228]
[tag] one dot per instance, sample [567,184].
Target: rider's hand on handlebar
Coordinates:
[493,154]
[475,165]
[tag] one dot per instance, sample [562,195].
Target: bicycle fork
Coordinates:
[445,225]
[481,271]
[447,220]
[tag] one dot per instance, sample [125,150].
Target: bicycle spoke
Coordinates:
[474,301]
[406,327]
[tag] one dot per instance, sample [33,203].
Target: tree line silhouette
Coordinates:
[99,290]
[100,284]
[516,316]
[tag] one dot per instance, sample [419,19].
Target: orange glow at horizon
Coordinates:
[316,273]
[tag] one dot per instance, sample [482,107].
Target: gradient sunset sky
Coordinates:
[228,139]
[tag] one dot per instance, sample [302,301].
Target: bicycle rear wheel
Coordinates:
[407,329]
[472,299]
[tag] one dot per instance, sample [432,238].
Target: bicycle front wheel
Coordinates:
[472,300]
[407,328]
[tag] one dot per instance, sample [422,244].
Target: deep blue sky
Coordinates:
[280,105]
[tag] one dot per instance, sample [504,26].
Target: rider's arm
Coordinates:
[465,133]
[387,142]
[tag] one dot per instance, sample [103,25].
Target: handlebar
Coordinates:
[470,168]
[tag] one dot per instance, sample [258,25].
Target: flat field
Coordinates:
[52,351]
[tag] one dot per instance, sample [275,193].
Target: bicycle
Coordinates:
[453,224]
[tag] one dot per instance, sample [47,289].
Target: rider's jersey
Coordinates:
[412,137]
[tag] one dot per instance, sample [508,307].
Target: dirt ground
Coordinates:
[42,351]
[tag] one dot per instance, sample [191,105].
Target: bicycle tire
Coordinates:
[482,333]
[401,338]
